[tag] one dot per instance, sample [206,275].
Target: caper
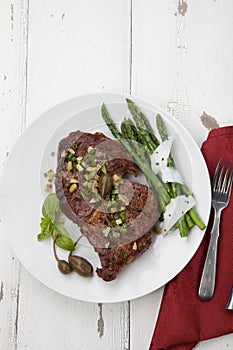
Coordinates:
[105,184]
[63,267]
[80,265]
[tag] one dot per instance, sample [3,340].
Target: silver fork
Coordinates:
[221,190]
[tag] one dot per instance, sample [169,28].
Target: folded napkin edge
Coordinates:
[225,130]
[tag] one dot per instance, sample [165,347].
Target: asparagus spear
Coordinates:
[142,122]
[129,131]
[181,187]
[139,135]
[189,221]
[196,219]
[182,223]
[164,136]
[183,228]
[161,128]
[143,126]
[149,138]
[154,182]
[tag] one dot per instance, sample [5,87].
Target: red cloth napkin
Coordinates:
[184,319]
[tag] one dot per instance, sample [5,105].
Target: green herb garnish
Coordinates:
[52,154]
[115,234]
[74,145]
[104,169]
[50,225]
[106,231]
[84,197]
[122,215]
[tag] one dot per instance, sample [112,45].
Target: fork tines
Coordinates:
[224,185]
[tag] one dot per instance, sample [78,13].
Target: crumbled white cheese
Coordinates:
[160,156]
[170,174]
[159,163]
[175,210]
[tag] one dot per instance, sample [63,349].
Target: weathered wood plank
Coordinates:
[74,48]
[13,42]
[209,66]
[61,323]
[81,46]
[153,41]
[143,315]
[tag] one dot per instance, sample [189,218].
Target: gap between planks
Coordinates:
[130,46]
[24,25]
[1,292]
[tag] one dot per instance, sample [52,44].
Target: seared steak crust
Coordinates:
[141,211]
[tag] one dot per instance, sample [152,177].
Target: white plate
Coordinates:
[21,201]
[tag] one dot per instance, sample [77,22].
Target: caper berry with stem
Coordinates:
[105,185]
[63,266]
[80,264]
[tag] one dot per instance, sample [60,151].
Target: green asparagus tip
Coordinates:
[103,107]
[128,101]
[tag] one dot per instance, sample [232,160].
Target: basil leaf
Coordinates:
[65,243]
[64,240]
[43,236]
[51,212]
[45,224]
[51,209]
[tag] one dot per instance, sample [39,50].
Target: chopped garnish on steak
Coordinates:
[116,215]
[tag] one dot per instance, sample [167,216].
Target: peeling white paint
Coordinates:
[12,21]
[178,104]
[24,60]
[182,7]
[208,121]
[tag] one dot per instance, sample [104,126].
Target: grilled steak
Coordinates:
[118,224]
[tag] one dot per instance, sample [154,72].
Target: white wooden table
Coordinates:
[174,53]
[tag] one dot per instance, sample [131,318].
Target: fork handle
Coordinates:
[207,284]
